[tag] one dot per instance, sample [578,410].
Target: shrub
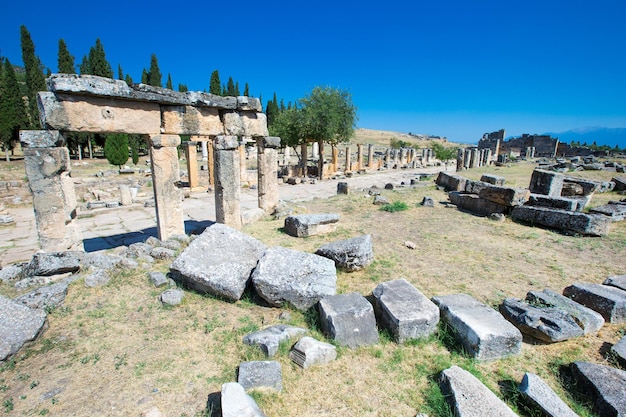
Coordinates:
[395,206]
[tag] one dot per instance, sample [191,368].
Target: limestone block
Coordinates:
[620,183]
[616,212]
[271,142]
[287,276]
[304,225]
[54,263]
[41,139]
[617,281]
[469,397]
[588,187]
[227,183]
[125,198]
[349,254]
[505,195]
[172,297]
[561,203]
[98,114]
[619,350]
[226,143]
[590,321]
[451,182]
[233,124]
[87,84]
[200,99]
[482,331]
[18,325]
[571,222]
[475,204]
[343,188]
[163,141]
[348,319]
[249,103]
[236,403]
[48,296]
[254,124]
[310,352]
[267,172]
[270,338]
[543,397]
[546,183]
[604,384]
[610,302]
[404,310]
[260,374]
[493,179]
[188,120]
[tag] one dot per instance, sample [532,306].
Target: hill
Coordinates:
[600,135]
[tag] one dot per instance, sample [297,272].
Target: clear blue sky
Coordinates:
[450,68]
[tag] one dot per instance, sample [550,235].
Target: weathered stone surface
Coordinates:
[380,200]
[46,264]
[619,350]
[561,203]
[348,319]
[505,195]
[219,262]
[451,182]
[493,179]
[173,296]
[546,182]
[547,324]
[100,260]
[254,124]
[227,182]
[304,225]
[610,302]
[162,253]
[270,338]
[158,279]
[590,321]
[475,204]
[310,352]
[606,385]
[188,120]
[482,331]
[12,272]
[41,139]
[428,202]
[260,374]
[47,297]
[267,171]
[616,212]
[620,183]
[468,397]
[297,278]
[236,403]
[343,188]
[587,187]
[537,392]
[349,254]
[571,222]
[404,310]
[18,325]
[617,281]
[233,125]
[97,278]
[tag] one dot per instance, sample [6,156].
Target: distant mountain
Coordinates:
[601,135]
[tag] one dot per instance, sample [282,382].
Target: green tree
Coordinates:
[120,72]
[329,115]
[215,85]
[98,63]
[134,142]
[116,149]
[442,153]
[271,110]
[182,88]
[84,67]
[13,115]
[35,80]
[145,77]
[237,93]
[230,87]
[154,74]
[65,59]
[169,85]
[246,90]
[128,79]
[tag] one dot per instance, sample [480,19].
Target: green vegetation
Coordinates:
[395,206]
[116,149]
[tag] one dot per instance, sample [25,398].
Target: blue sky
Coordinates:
[449,68]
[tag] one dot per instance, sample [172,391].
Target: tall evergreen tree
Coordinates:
[116,149]
[35,80]
[98,62]
[230,87]
[145,78]
[215,86]
[246,90]
[120,72]
[13,116]
[272,110]
[128,79]
[85,66]
[154,74]
[182,88]
[65,59]
[169,82]
[237,89]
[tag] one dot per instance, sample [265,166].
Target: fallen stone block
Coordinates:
[260,374]
[343,188]
[561,203]
[493,179]
[482,331]
[310,352]
[54,263]
[348,319]
[610,302]
[617,281]
[47,297]
[473,203]
[270,338]
[304,225]
[538,393]
[567,221]
[620,183]
[475,187]
[506,196]
[172,297]
[293,277]
[19,324]
[97,278]
[616,212]
[604,384]
[588,320]
[349,254]
[428,202]
[546,182]
[468,396]
[13,272]
[404,310]
[236,403]
[547,324]
[588,187]
[619,351]
[218,262]
[158,279]
[451,182]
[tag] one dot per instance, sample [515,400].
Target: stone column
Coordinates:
[487,157]
[370,156]
[388,158]
[267,152]
[227,181]
[211,161]
[205,151]
[243,172]
[359,157]
[315,150]
[320,160]
[335,163]
[47,165]
[468,158]
[165,176]
[348,160]
[460,157]
[305,159]
[286,155]
[192,163]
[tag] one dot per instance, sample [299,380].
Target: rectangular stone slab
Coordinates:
[505,195]
[571,222]
[606,300]
[482,331]
[475,204]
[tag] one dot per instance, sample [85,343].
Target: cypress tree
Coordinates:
[85,66]
[128,79]
[35,80]
[246,90]
[154,74]
[182,88]
[215,86]
[98,62]
[237,89]
[65,59]
[13,116]
[145,77]
[116,149]
[169,82]
[230,87]
[120,72]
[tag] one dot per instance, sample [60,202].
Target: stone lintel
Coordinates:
[161,141]
[249,103]
[224,143]
[188,120]
[270,142]
[254,124]
[41,139]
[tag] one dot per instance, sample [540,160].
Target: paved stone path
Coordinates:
[114,227]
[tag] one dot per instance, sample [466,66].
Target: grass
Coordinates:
[120,342]
[395,206]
